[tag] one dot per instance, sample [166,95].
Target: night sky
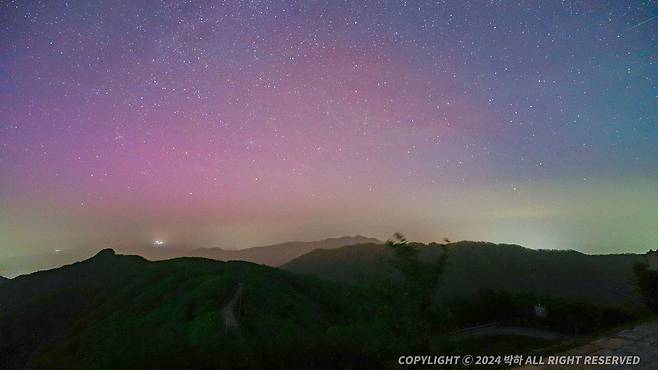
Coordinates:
[250,122]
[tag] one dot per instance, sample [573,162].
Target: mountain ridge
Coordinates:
[271,255]
[473,266]
[168,315]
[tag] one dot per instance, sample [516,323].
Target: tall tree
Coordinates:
[420,279]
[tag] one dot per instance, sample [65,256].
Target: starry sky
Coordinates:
[239,123]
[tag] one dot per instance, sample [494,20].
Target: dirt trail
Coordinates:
[228,311]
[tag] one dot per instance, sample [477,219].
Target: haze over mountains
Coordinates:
[271,255]
[473,266]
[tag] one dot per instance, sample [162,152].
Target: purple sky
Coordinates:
[250,122]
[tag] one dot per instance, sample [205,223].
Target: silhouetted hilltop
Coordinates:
[125,312]
[478,265]
[105,254]
[271,255]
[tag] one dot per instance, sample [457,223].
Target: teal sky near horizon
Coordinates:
[242,123]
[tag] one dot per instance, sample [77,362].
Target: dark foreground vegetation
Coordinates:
[124,312]
[473,266]
[647,283]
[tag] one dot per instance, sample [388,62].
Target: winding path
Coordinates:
[228,311]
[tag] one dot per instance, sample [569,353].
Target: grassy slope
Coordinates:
[473,266]
[123,312]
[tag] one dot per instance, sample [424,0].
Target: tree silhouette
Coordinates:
[420,280]
[647,283]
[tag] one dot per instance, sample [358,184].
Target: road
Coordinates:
[641,340]
[493,329]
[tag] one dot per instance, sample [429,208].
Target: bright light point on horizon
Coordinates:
[158,242]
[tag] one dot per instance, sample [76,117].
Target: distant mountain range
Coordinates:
[474,266]
[271,255]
